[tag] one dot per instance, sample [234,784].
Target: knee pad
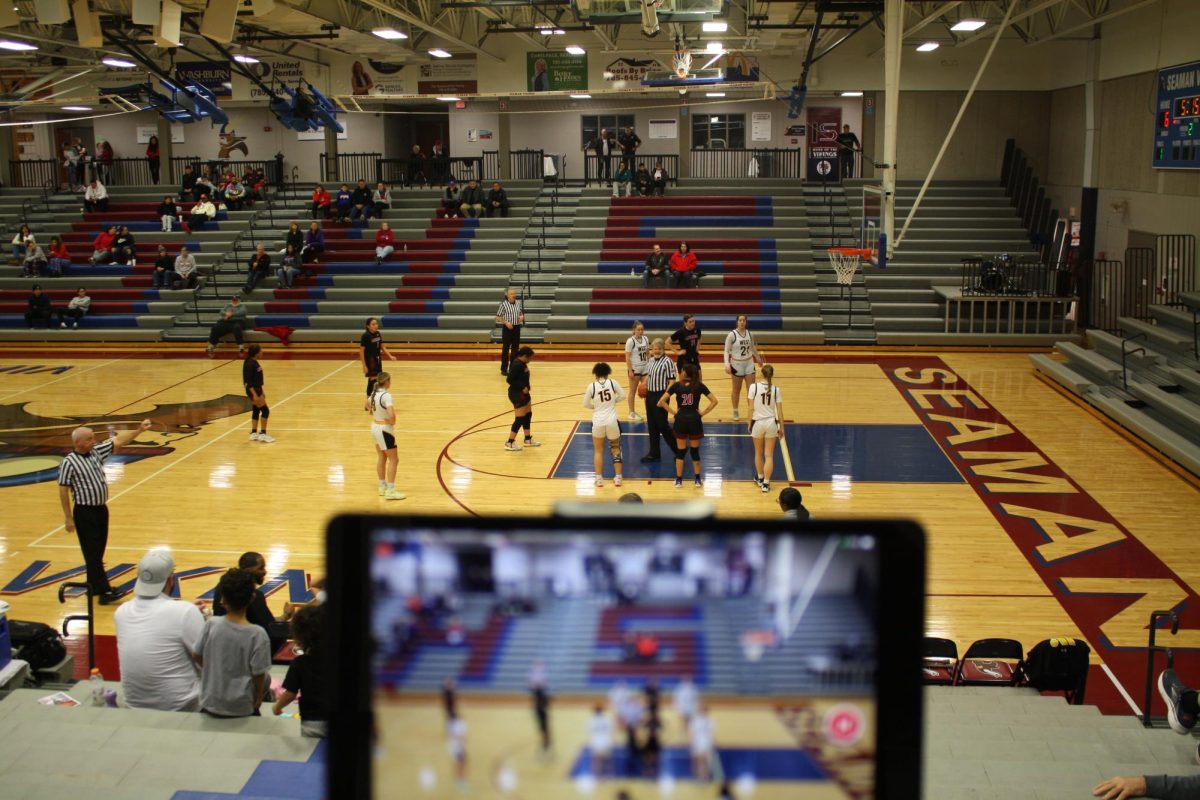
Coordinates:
[615,447]
[695,451]
[527,419]
[254,412]
[266,411]
[516,425]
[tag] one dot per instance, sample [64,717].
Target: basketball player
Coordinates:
[371,348]
[637,363]
[689,427]
[685,344]
[602,395]
[700,734]
[541,712]
[456,743]
[766,425]
[600,736]
[518,395]
[252,377]
[741,354]
[450,699]
[687,698]
[383,431]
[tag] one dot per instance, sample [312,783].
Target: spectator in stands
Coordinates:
[314,244]
[416,167]
[187,184]
[289,267]
[646,646]
[439,162]
[102,246]
[321,202]
[683,267]
[76,309]
[381,200]
[342,202]
[385,242]
[81,165]
[791,502]
[450,199]
[629,142]
[294,237]
[656,268]
[35,260]
[164,274]
[234,654]
[185,267]
[205,184]
[258,268]
[847,146]
[73,163]
[95,197]
[471,199]
[104,161]
[360,201]
[235,194]
[658,178]
[258,613]
[306,674]
[157,638]
[60,257]
[1182,711]
[168,213]
[201,213]
[19,243]
[641,179]
[37,306]
[232,320]
[255,181]
[153,159]
[497,200]
[623,179]
[605,148]
[124,250]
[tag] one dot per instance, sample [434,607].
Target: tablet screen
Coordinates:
[589,661]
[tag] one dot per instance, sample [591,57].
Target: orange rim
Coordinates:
[861,252]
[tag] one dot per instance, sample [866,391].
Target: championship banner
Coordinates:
[824,122]
[552,71]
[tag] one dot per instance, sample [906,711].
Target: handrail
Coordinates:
[89,617]
[26,209]
[1125,353]
[1151,650]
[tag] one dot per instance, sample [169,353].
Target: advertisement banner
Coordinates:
[457,76]
[552,71]
[364,77]
[212,75]
[629,70]
[275,70]
[823,164]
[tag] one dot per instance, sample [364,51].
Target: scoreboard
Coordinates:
[1177,123]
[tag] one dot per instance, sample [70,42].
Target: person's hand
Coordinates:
[69,524]
[277,709]
[364,369]
[1121,788]
[728,370]
[391,357]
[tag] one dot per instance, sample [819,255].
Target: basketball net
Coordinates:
[681,63]
[845,262]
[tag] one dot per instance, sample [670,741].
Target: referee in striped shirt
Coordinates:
[82,474]
[510,314]
[659,378]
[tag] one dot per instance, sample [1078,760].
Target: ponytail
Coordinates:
[769,372]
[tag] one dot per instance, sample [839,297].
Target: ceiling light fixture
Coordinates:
[928,47]
[242,58]
[715,26]
[390,34]
[575,50]
[968,25]
[76,108]
[581,97]
[714,94]
[119,63]
[9,44]
[449,99]
[852,94]
[559,32]
[714,48]
[438,52]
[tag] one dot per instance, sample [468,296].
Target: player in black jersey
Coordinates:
[518,395]
[252,377]
[688,425]
[685,342]
[371,352]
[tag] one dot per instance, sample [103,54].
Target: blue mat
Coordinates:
[764,763]
[670,322]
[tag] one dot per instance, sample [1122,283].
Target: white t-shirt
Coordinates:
[686,698]
[764,399]
[638,349]
[156,637]
[701,733]
[456,741]
[383,408]
[600,730]
[602,397]
[739,347]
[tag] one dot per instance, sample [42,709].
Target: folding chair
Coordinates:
[940,661]
[990,662]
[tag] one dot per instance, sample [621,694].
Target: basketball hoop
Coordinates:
[845,261]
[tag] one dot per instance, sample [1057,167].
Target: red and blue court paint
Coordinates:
[764,763]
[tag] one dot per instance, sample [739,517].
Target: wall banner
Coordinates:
[552,71]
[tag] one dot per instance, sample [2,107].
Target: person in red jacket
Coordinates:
[683,267]
[59,259]
[385,242]
[102,246]
[320,201]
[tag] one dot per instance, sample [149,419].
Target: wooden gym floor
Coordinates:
[1042,519]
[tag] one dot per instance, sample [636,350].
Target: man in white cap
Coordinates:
[156,637]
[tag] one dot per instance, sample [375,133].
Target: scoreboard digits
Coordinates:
[1176,135]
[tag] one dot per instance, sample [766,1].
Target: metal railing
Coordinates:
[350,165]
[1015,278]
[1152,650]
[407,172]
[31,173]
[1175,267]
[1028,197]
[1126,352]
[272,168]
[527,165]
[594,171]
[89,617]
[748,163]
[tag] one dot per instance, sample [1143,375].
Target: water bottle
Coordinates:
[96,681]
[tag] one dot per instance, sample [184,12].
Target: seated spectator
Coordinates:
[185,268]
[381,200]
[647,647]
[259,613]
[204,184]
[157,638]
[658,178]
[201,213]
[60,258]
[656,269]
[102,246]
[385,242]
[360,201]
[164,273]
[124,250]
[623,179]
[294,237]
[306,674]
[235,194]
[341,203]
[232,320]
[38,307]
[187,184]
[76,309]
[314,244]
[497,200]
[642,180]
[19,243]
[168,213]
[95,197]
[471,200]
[791,502]
[35,259]
[234,655]
[683,267]
[450,199]
[258,268]
[289,268]
[321,202]
[256,185]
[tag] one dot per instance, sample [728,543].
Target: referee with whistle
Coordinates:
[659,377]
[82,474]
[510,314]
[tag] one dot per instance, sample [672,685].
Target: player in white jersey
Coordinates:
[741,354]
[383,431]
[637,364]
[600,740]
[766,425]
[602,396]
[700,734]
[456,744]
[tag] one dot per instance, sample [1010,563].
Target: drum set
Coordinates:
[1004,275]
